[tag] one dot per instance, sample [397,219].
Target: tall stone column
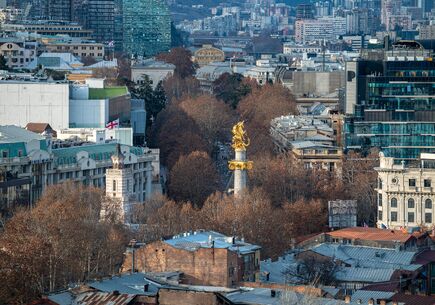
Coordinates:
[240,173]
[240,165]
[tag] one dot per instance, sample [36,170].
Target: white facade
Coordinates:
[156,71]
[313,30]
[122,135]
[89,113]
[24,102]
[406,195]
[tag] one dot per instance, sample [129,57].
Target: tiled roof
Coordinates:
[371,234]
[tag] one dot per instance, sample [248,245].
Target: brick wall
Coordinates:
[201,267]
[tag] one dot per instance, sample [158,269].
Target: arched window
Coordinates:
[393,202]
[428,204]
[411,203]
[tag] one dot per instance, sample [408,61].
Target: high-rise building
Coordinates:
[390,102]
[146,27]
[59,10]
[101,19]
[305,11]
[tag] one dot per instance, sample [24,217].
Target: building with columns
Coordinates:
[29,164]
[405,193]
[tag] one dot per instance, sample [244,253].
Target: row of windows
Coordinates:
[411,203]
[411,217]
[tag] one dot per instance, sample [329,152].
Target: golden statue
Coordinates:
[240,138]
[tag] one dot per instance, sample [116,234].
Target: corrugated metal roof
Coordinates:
[368,257]
[365,275]
[365,295]
[127,284]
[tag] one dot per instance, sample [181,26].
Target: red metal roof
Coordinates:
[371,234]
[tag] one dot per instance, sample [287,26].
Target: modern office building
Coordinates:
[101,19]
[390,103]
[146,27]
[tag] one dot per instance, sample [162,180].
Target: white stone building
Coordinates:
[156,70]
[405,193]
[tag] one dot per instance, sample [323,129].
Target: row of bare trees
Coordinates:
[59,242]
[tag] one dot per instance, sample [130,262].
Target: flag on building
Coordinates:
[113,124]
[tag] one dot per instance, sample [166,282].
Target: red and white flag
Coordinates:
[113,124]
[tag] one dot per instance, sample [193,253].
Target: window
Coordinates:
[411,203]
[393,216]
[428,217]
[380,200]
[412,182]
[428,204]
[393,202]
[411,217]
[4,154]
[379,215]
[114,185]
[427,183]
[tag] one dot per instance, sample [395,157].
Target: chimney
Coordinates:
[347,299]
[233,240]
[145,287]
[371,301]
[272,293]
[115,292]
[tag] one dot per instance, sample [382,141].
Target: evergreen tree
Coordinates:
[155,100]
[159,100]
[3,63]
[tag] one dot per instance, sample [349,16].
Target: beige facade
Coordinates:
[208,54]
[78,49]
[406,193]
[18,54]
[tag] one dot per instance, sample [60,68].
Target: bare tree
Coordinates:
[311,269]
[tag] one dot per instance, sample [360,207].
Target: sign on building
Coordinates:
[342,213]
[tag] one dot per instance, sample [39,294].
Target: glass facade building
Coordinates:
[101,19]
[146,27]
[390,105]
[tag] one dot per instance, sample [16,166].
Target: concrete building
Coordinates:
[204,257]
[405,192]
[23,102]
[156,71]
[310,140]
[314,83]
[314,30]
[29,165]
[208,54]
[93,105]
[427,31]
[263,72]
